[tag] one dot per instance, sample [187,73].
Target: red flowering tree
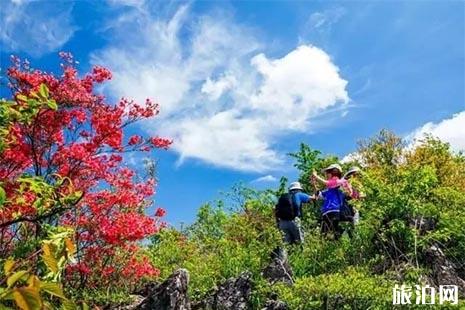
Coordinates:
[74,147]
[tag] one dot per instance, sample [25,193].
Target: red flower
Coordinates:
[160,142]
[82,142]
[135,140]
[160,212]
[100,74]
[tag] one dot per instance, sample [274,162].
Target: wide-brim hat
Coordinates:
[332,167]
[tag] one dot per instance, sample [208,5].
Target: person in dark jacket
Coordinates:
[289,211]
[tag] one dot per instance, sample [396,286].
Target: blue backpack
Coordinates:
[333,200]
[336,201]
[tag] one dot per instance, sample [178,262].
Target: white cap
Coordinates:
[351,171]
[333,166]
[295,185]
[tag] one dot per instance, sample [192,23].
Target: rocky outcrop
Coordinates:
[169,295]
[444,271]
[233,294]
[278,270]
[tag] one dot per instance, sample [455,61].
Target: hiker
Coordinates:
[334,178]
[333,199]
[288,212]
[357,194]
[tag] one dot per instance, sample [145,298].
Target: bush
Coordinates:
[218,246]
[414,198]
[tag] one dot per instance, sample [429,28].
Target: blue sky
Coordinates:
[242,83]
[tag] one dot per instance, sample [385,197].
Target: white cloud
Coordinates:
[352,157]
[297,87]
[35,27]
[214,89]
[451,130]
[223,100]
[320,23]
[265,179]
[133,3]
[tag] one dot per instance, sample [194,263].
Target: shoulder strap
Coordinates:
[293,204]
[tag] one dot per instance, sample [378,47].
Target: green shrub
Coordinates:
[405,190]
[348,289]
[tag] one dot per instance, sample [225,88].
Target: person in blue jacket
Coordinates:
[333,199]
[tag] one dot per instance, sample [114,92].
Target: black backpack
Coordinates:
[347,211]
[285,209]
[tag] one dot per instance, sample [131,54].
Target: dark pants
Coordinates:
[292,231]
[330,224]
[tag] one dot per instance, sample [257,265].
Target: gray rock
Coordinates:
[170,294]
[275,305]
[233,294]
[278,270]
[444,271]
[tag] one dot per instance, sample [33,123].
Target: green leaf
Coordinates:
[68,305]
[27,298]
[53,289]
[15,277]
[2,196]
[2,307]
[43,90]
[52,104]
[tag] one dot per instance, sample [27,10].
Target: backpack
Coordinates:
[333,200]
[347,211]
[285,208]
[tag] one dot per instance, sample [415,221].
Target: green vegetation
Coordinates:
[66,245]
[415,197]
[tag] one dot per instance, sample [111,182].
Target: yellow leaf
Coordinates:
[15,277]
[70,247]
[53,289]
[49,259]
[46,249]
[47,305]
[33,281]
[50,262]
[22,98]
[8,265]
[27,298]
